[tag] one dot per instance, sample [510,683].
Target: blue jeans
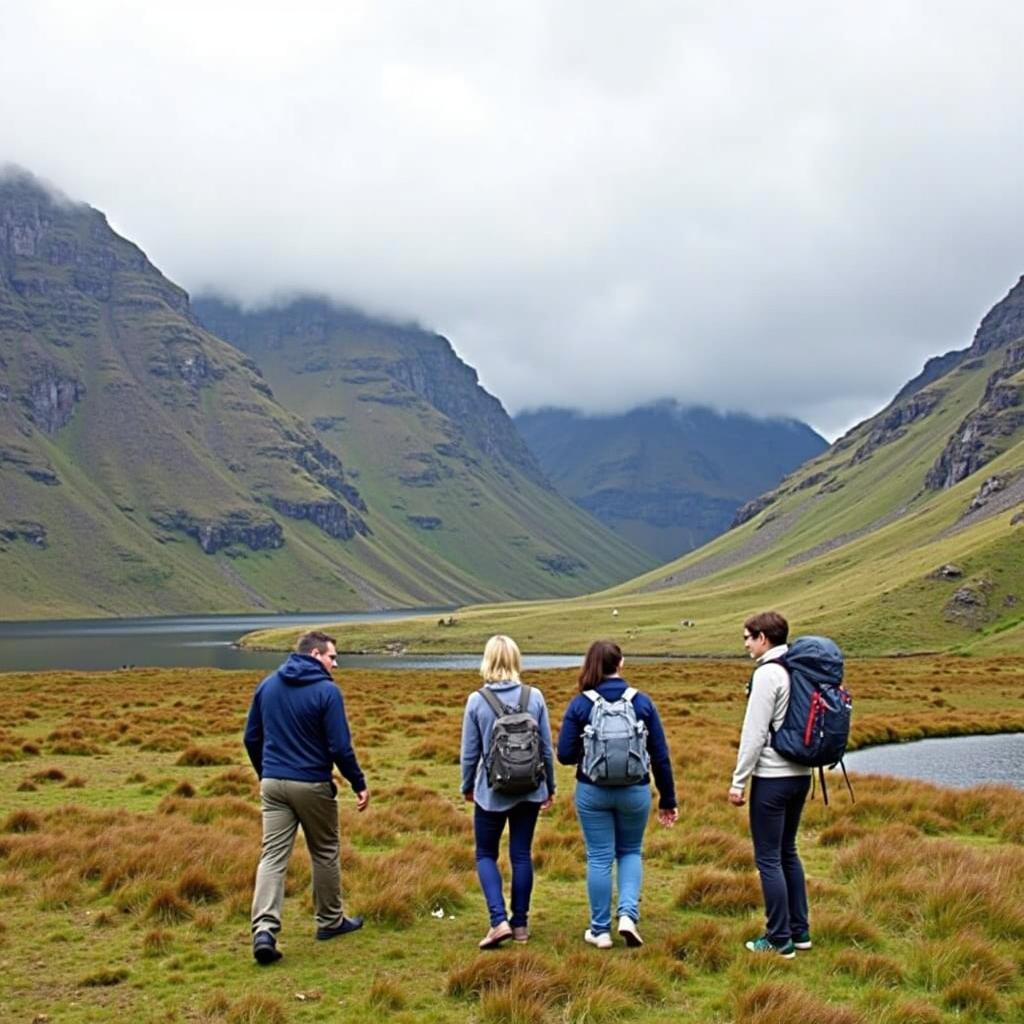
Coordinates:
[488,826]
[775,808]
[613,819]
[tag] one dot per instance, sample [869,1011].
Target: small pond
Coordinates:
[948,761]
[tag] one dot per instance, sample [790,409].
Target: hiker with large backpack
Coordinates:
[613,734]
[508,774]
[797,717]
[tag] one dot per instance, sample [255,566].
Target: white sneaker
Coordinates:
[602,941]
[627,929]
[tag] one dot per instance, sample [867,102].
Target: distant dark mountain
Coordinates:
[146,466]
[433,453]
[666,477]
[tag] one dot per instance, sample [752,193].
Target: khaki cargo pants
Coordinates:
[286,805]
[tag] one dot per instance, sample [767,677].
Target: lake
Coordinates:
[948,761]
[201,641]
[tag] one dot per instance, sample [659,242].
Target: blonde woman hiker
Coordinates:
[508,774]
[613,734]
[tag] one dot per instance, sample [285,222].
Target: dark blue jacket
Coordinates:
[577,717]
[297,728]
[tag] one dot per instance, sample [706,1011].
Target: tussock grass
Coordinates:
[716,891]
[873,967]
[22,821]
[258,1009]
[705,945]
[202,757]
[408,884]
[845,926]
[973,994]
[911,881]
[775,1003]
[939,964]
[105,977]
[386,995]
[198,886]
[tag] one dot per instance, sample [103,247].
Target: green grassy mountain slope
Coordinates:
[432,452]
[906,535]
[664,476]
[145,466]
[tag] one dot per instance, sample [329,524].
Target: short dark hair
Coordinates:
[772,624]
[603,658]
[314,640]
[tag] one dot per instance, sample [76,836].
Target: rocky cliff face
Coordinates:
[393,364]
[985,432]
[1003,323]
[93,337]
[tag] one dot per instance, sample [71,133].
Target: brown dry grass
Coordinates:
[164,863]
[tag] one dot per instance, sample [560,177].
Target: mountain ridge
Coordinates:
[666,476]
[147,467]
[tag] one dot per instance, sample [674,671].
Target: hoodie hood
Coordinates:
[302,670]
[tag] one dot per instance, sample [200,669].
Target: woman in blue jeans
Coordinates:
[614,817]
[500,671]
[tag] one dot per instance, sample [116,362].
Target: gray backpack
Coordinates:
[513,763]
[614,742]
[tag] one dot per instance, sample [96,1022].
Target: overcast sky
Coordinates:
[777,207]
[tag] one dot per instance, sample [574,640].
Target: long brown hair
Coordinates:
[603,659]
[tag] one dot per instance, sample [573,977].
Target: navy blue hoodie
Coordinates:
[297,728]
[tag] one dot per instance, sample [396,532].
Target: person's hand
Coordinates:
[362,800]
[668,816]
[548,804]
[736,797]
[468,797]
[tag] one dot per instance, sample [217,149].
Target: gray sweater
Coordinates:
[476,741]
[766,708]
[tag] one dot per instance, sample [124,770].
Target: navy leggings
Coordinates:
[775,807]
[488,826]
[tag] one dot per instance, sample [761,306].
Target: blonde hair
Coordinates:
[501,660]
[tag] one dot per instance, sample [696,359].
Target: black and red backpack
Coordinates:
[816,728]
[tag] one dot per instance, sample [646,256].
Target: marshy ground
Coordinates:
[129,837]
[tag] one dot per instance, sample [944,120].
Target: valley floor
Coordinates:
[131,833]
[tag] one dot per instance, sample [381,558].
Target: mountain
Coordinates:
[906,535]
[432,452]
[666,477]
[146,466]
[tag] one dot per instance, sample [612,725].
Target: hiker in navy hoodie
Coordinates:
[614,817]
[296,732]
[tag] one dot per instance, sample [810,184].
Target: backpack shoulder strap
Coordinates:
[492,701]
[592,695]
[629,693]
[524,698]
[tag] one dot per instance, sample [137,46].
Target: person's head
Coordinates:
[604,659]
[763,631]
[501,660]
[320,646]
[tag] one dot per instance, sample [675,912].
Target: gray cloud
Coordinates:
[780,208]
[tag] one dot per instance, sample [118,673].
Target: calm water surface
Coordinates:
[198,641]
[952,761]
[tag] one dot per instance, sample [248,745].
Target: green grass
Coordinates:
[857,563]
[125,874]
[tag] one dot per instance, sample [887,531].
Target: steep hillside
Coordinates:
[432,452]
[906,535]
[145,466]
[666,477]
